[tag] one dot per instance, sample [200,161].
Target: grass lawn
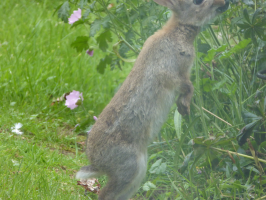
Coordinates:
[37,65]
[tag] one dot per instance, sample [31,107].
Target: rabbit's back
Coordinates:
[140,107]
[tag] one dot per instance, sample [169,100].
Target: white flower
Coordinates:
[16,128]
[15,163]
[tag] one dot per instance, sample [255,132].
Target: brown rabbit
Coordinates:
[117,143]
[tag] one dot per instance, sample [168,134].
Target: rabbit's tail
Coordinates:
[87,172]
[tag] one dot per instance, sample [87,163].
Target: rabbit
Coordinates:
[117,143]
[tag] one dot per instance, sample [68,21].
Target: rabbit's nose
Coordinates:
[224,5]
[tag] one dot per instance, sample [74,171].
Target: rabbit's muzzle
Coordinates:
[224,5]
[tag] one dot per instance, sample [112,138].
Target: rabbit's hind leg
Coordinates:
[126,180]
[135,183]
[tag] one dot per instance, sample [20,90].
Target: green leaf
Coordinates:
[116,63]
[207,84]
[252,168]
[261,23]
[103,64]
[188,158]
[105,22]
[237,184]
[148,185]
[86,13]
[83,126]
[249,117]
[130,35]
[240,46]
[204,48]
[198,140]
[63,12]
[263,144]
[102,40]
[246,15]
[246,132]
[212,53]
[95,27]
[230,90]
[92,5]
[77,23]
[178,124]
[224,142]
[125,48]
[247,33]
[219,84]
[208,142]
[248,2]
[57,8]
[81,43]
[82,3]
[260,32]
[158,167]
[253,37]
[227,172]
[244,161]
[255,15]
[243,25]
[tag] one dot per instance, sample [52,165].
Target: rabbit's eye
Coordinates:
[197,2]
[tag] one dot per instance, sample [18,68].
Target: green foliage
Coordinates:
[63,11]
[158,167]
[102,40]
[95,27]
[148,186]
[107,60]
[178,124]
[81,43]
[130,22]
[253,26]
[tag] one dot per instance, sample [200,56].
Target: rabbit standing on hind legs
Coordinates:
[117,143]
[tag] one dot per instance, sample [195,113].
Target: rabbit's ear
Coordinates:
[167,3]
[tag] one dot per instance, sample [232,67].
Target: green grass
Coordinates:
[37,65]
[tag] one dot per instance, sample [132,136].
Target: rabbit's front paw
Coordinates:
[183,105]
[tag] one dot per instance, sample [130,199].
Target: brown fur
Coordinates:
[117,143]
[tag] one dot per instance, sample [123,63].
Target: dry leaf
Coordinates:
[89,185]
[111,5]
[60,99]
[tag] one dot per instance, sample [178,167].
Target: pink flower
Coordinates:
[73,99]
[90,52]
[75,16]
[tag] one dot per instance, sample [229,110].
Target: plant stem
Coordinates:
[264,197]
[238,154]
[199,99]
[253,94]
